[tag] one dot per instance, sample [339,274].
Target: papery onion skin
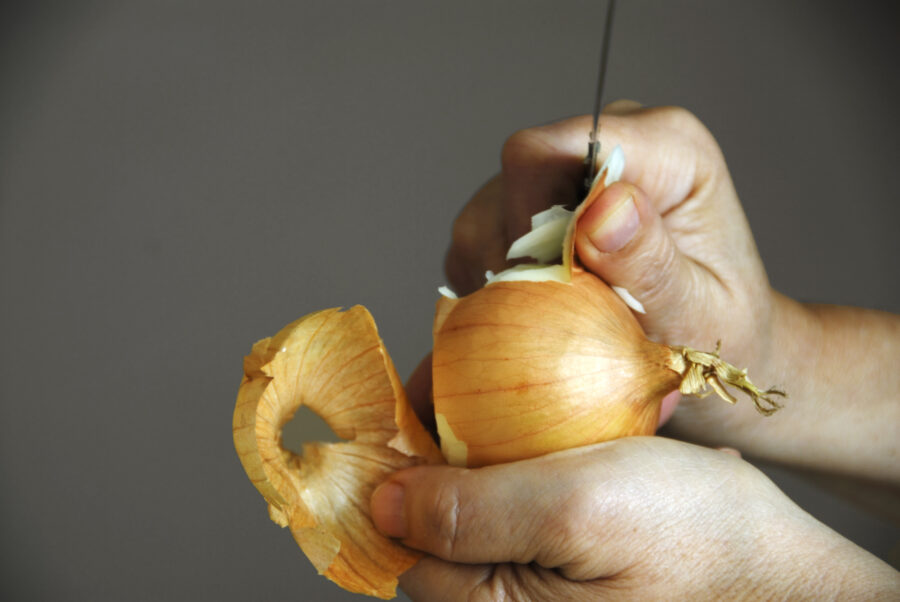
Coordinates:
[521,369]
[335,363]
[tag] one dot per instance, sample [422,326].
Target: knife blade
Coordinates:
[593,152]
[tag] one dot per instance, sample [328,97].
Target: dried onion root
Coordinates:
[335,363]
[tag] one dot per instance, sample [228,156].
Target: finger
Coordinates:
[542,167]
[730,451]
[419,393]
[668,153]
[622,107]
[667,406]
[459,515]
[587,513]
[523,512]
[437,580]
[622,239]
[478,242]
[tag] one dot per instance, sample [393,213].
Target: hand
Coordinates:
[675,237]
[636,518]
[673,233]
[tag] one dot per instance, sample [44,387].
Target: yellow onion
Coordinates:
[549,357]
[334,363]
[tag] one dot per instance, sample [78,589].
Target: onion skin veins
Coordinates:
[335,363]
[521,369]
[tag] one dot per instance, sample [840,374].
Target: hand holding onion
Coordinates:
[640,518]
[692,263]
[546,356]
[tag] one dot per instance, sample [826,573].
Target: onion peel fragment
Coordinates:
[335,363]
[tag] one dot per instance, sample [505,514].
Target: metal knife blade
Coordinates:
[590,161]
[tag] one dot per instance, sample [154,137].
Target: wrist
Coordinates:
[794,335]
[827,566]
[788,554]
[772,348]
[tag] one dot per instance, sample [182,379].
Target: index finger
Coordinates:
[542,166]
[668,154]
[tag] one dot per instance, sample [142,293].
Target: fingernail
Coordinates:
[617,228]
[387,509]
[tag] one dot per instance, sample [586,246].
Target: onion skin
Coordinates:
[522,369]
[335,363]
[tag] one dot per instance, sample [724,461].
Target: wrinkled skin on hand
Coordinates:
[636,518]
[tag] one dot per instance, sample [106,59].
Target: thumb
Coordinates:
[496,514]
[621,238]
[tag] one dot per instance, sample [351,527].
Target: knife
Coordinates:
[590,161]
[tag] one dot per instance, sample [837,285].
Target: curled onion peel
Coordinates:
[335,363]
[547,357]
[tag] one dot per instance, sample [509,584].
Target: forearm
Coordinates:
[841,369]
[840,365]
[809,561]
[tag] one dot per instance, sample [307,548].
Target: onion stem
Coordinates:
[703,373]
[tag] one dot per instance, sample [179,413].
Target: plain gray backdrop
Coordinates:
[181,178]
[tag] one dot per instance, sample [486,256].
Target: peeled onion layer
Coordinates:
[335,363]
[546,357]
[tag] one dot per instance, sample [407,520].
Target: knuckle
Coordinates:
[445,512]
[686,123]
[502,583]
[479,218]
[572,518]
[464,234]
[458,276]
[679,117]
[477,239]
[622,106]
[658,263]
[463,262]
[519,149]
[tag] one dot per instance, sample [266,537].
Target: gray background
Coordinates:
[181,178]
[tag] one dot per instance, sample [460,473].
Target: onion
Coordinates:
[547,357]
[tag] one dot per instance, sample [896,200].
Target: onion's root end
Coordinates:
[703,373]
